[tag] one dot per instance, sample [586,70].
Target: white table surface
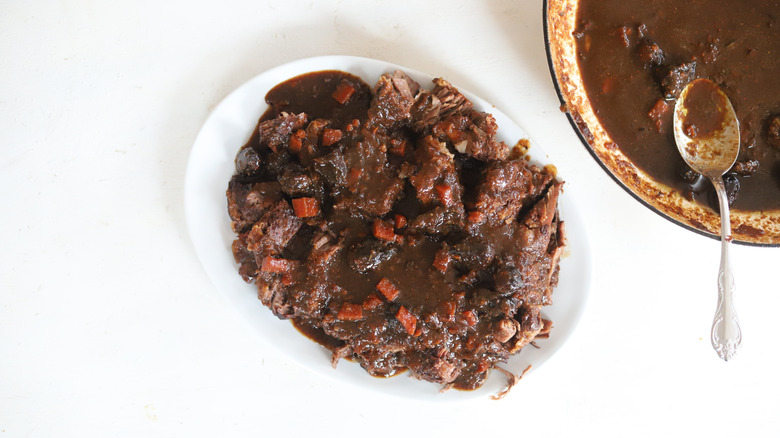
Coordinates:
[110,327]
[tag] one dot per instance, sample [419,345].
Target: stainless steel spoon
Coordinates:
[706,131]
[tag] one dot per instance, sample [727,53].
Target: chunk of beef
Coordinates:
[747,167]
[436,169]
[273,231]
[394,95]
[673,79]
[452,100]
[247,162]
[248,202]
[540,239]
[508,280]
[247,267]
[439,221]
[426,111]
[431,107]
[297,182]
[276,132]
[272,164]
[372,184]
[434,369]
[324,248]
[333,169]
[507,186]
[472,254]
[450,116]
[505,329]
[478,139]
[544,211]
[529,324]
[650,53]
[270,293]
[367,255]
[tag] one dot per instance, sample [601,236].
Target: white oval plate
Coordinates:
[211,165]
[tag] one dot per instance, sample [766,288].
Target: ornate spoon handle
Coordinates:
[726,334]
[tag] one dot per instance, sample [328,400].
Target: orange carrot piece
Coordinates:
[274,265]
[398,148]
[353,125]
[400,221]
[296,140]
[441,261]
[470,317]
[343,92]
[476,217]
[388,289]
[350,312]
[305,207]
[407,320]
[383,230]
[330,136]
[444,193]
[372,301]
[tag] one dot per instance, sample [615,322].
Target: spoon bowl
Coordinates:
[706,131]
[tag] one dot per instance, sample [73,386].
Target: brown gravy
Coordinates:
[635,56]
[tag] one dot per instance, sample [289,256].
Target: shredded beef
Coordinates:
[398,230]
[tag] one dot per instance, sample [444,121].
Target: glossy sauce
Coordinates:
[626,48]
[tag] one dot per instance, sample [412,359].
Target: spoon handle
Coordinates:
[726,334]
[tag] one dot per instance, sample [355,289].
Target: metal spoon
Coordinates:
[706,131]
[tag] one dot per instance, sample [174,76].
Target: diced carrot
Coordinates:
[350,312]
[400,221]
[444,193]
[330,136]
[372,301]
[383,230]
[482,366]
[388,289]
[296,140]
[476,217]
[407,320]
[353,125]
[306,207]
[470,317]
[441,261]
[343,92]
[274,265]
[398,147]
